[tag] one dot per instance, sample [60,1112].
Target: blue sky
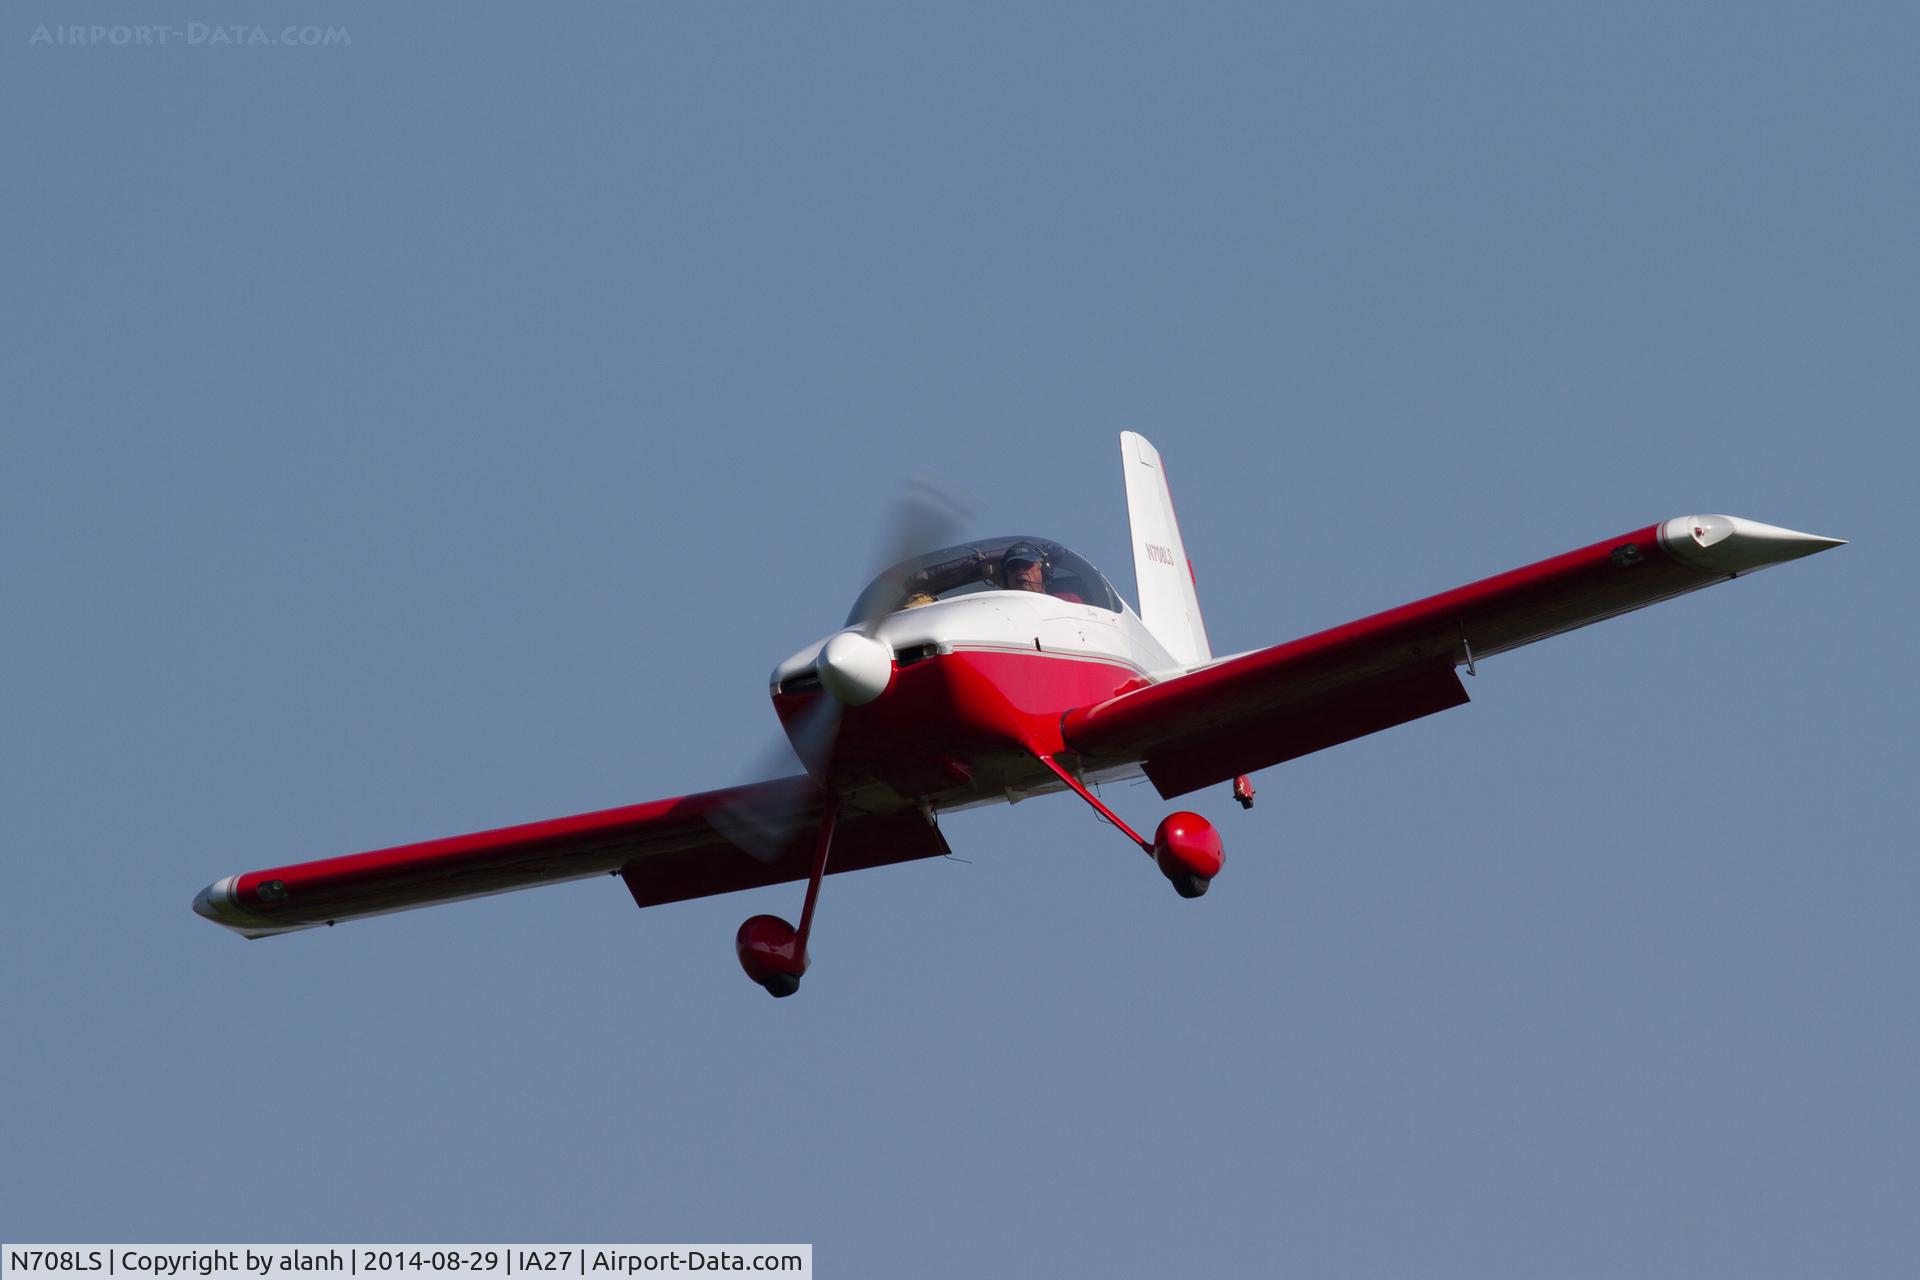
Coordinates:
[452,428]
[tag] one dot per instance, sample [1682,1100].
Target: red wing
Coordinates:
[1262,708]
[666,850]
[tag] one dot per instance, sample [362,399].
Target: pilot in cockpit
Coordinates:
[1024,567]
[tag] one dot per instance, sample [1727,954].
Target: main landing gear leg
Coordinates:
[1185,847]
[773,952]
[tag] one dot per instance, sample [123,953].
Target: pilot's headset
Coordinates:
[1025,553]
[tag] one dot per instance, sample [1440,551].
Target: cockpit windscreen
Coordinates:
[992,564]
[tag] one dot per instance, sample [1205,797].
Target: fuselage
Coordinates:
[979,686]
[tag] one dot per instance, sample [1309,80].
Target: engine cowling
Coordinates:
[1188,852]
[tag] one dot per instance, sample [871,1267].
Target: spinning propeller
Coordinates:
[854,668]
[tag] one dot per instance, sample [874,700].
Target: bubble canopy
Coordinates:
[981,566]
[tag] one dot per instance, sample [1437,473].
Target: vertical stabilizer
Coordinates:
[1162,574]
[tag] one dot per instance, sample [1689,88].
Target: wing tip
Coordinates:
[217,903]
[1734,544]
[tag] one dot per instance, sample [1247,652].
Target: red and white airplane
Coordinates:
[1008,667]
